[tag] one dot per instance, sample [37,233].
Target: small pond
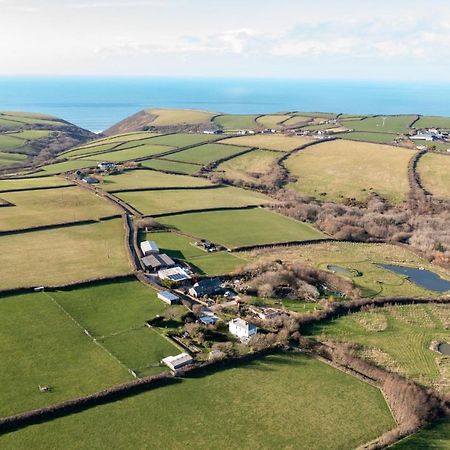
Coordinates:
[424,278]
[444,348]
[340,269]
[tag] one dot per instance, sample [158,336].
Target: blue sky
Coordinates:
[394,39]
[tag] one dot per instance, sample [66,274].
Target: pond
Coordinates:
[340,269]
[423,278]
[444,348]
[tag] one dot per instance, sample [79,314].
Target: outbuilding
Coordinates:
[149,248]
[168,297]
[156,262]
[175,274]
[177,362]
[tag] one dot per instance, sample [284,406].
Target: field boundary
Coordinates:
[38,188]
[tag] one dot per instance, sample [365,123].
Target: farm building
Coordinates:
[156,262]
[149,248]
[204,287]
[266,313]
[208,320]
[178,361]
[90,180]
[105,166]
[168,297]
[242,329]
[176,274]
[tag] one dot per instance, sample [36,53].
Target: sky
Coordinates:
[322,39]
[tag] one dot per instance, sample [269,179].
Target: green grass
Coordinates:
[125,137]
[33,134]
[42,345]
[272,120]
[183,139]
[171,166]
[10,142]
[18,119]
[165,117]
[242,227]
[270,141]
[362,258]
[206,154]
[432,437]
[340,169]
[31,183]
[433,122]
[52,206]
[176,200]
[135,179]
[183,248]
[63,255]
[11,158]
[383,124]
[254,405]
[237,121]
[403,343]
[434,171]
[89,150]
[61,167]
[129,154]
[381,138]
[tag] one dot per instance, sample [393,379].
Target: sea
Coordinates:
[96,103]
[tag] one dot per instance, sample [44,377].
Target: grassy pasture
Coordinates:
[174,200]
[206,153]
[10,142]
[64,166]
[91,150]
[17,120]
[249,167]
[340,169]
[434,171]
[237,121]
[135,179]
[171,166]
[167,117]
[381,138]
[32,134]
[183,139]
[384,124]
[129,154]
[242,227]
[362,258]
[11,158]
[32,183]
[63,255]
[433,122]
[118,138]
[432,437]
[272,120]
[52,206]
[183,248]
[298,120]
[42,345]
[402,341]
[242,407]
[270,141]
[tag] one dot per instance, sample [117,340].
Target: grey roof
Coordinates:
[157,261]
[168,295]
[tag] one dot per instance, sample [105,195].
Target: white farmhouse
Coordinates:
[242,329]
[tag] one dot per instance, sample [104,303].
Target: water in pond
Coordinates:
[424,278]
[340,269]
[444,349]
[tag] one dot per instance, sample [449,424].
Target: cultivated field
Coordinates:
[41,345]
[171,166]
[11,120]
[398,337]
[434,171]
[138,179]
[433,122]
[61,167]
[242,227]
[179,116]
[363,261]
[237,121]
[381,138]
[175,200]
[129,154]
[206,153]
[339,169]
[32,183]
[272,120]
[260,392]
[183,248]
[270,141]
[63,255]
[298,120]
[52,206]
[383,124]
[183,139]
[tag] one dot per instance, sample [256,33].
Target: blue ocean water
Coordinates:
[96,103]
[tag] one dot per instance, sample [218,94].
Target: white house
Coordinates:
[178,361]
[149,248]
[242,329]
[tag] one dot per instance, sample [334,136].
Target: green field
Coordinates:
[363,259]
[171,166]
[183,248]
[52,206]
[138,179]
[10,142]
[242,227]
[183,139]
[381,138]
[237,121]
[398,337]
[298,120]
[175,200]
[11,158]
[129,154]
[336,170]
[32,134]
[206,153]
[11,120]
[41,345]
[249,167]
[268,398]
[63,255]
[433,122]
[383,124]
[272,120]
[434,171]
[165,117]
[61,167]
[432,437]
[115,314]
[270,141]
[32,183]
[89,150]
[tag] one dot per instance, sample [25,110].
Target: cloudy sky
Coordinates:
[390,39]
